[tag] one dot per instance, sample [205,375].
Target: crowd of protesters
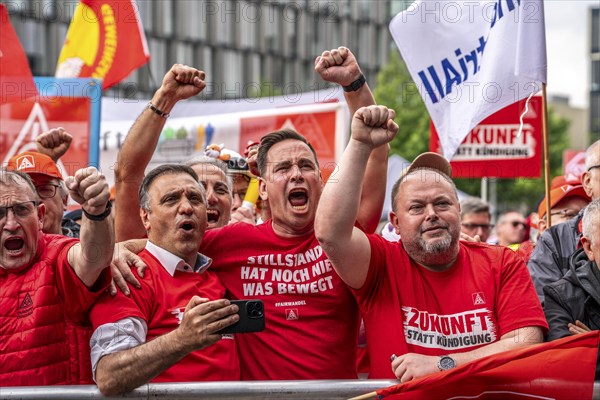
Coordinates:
[136,285]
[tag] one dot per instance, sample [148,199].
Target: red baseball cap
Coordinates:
[563,187]
[31,162]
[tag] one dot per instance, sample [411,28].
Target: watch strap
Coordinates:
[357,84]
[99,217]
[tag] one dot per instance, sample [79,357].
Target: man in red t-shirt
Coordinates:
[434,301]
[167,330]
[49,282]
[311,316]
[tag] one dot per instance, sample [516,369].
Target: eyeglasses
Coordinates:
[20,210]
[516,224]
[569,214]
[237,163]
[592,167]
[47,190]
[472,227]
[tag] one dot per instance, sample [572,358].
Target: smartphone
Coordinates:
[252,317]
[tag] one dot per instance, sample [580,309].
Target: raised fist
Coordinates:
[338,66]
[374,125]
[88,187]
[54,143]
[183,82]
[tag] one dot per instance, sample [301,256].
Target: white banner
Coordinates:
[470,59]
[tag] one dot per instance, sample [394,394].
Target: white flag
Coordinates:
[470,59]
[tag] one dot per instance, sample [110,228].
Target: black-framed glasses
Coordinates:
[237,163]
[20,210]
[472,227]
[47,190]
[592,167]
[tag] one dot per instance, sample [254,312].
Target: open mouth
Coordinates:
[298,198]
[212,216]
[187,226]
[14,245]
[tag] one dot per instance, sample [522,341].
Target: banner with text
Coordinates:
[325,125]
[495,148]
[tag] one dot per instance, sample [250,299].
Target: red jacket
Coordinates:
[42,310]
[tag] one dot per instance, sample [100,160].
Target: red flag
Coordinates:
[105,41]
[16,81]
[562,369]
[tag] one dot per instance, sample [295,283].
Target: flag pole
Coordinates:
[546,154]
[365,396]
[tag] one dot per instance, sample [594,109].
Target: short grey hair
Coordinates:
[592,155]
[474,205]
[164,169]
[16,178]
[212,161]
[591,219]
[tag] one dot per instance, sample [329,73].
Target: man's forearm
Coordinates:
[124,371]
[338,206]
[521,337]
[132,160]
[94,252]
[373,189]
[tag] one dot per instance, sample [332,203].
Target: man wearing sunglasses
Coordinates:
[51,189]
[550,259]
[511,229]
[49,282]
[475,218]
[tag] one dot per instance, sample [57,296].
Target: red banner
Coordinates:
[105,41]
[16,81]
[562,369]
[573,162]
[22,122]
[494,148]
[317,128]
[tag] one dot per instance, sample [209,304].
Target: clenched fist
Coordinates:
[182,82]
[54,143]
[338,66]
[374,125]
[88,187]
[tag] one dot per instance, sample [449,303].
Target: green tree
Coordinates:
[396,89]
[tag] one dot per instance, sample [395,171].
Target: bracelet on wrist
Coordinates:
[357,84]
[100,217]
[157,111]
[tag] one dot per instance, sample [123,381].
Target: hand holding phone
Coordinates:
[252,317]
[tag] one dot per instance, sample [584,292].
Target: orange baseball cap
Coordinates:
[31,162]
[563,187]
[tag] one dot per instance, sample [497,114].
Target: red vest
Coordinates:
[39,343]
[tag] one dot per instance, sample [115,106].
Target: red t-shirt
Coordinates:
[408,309]
[161,302]
[311,316]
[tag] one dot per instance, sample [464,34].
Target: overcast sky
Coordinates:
[567,46]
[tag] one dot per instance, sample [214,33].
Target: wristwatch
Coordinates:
[445,363]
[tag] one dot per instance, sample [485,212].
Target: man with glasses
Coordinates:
[550,259]
[567,199]
[475,218]
[51,189]
[511,229]
[49,282]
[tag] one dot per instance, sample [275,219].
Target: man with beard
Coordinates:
[436,302]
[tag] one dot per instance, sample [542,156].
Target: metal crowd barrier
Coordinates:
[317,389]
